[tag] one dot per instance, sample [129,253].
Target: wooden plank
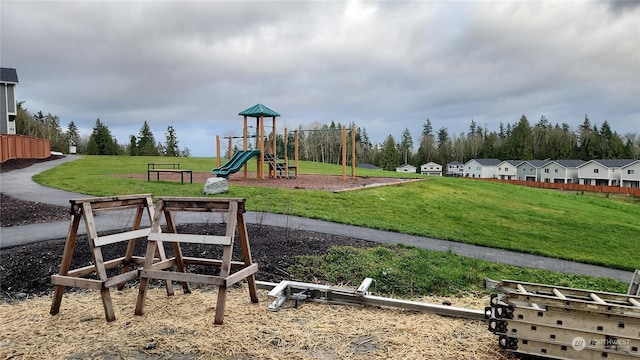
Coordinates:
[164,264]
[200,204]
[190,238]
[241,274]
[183,277]
[121,278]
[128,235]
[76,282]
[67,255]
[211,262]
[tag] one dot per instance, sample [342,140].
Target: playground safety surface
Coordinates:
[304,181]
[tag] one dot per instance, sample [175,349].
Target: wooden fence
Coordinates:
[571,187]
[23,147]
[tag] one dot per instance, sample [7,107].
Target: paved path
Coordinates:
[18,184]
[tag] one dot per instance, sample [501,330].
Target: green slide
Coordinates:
[235,164]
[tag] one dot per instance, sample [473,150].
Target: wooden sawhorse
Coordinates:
[234,208]
[86,208]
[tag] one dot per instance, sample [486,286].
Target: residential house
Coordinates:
[530,170]
[431,168]
[481,168]
[602,172]
[630,175]
[561,171]
[8,106]
[455,168]
[406,168]
[507,169]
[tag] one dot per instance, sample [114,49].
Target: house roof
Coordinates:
[632,163]
[535,163]
[487,162]
[454,163]
[258,110]
[405,165]
[513,162]
[614,163]
[569,163]
[8,75]
[430,163]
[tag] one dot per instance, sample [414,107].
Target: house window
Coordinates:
[499,169]
[631,171]
[531,169]
[556,170]
[595,171]
[506,169]
[546,171]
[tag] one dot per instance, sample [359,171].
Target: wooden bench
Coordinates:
[175,168]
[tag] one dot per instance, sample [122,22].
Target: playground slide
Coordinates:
[235,164]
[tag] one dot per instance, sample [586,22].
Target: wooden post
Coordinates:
[217,150]
[261,142]
[295,152]
[286,157]
[244,143]
[344,152]
[353,152]
[273,134]
[230,147]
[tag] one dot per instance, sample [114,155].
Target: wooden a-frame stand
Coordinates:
[234,208]
[86,208]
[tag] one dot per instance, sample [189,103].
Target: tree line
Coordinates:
[100,141]
[518,141]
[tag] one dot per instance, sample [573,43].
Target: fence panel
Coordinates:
[23,147]
[569,187]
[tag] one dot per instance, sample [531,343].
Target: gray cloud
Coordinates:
[385,65]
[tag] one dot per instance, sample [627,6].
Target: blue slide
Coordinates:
[235,164]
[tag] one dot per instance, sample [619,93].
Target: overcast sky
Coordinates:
[386,65]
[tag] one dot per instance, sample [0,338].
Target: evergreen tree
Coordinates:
[171,145]
[389,158]
[406,144]
[146,142]
[73,134]
[133,145]
[444,146]
[101,142]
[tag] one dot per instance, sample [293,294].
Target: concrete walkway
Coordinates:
[18,184]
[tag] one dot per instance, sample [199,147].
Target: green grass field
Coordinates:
[590,229]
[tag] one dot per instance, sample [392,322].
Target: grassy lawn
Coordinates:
[410,272]
[565,225]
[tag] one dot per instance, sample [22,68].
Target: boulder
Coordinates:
[215,185]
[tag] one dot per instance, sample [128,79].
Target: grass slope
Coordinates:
[545,222]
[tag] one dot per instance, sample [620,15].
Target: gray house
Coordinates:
[8,107]
[530,170]
[561,171]
[602,172]
[481,168]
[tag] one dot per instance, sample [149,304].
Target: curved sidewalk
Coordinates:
[18,184]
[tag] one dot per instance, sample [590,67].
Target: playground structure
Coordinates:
[266,149]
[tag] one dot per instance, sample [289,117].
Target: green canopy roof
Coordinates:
[259,110]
